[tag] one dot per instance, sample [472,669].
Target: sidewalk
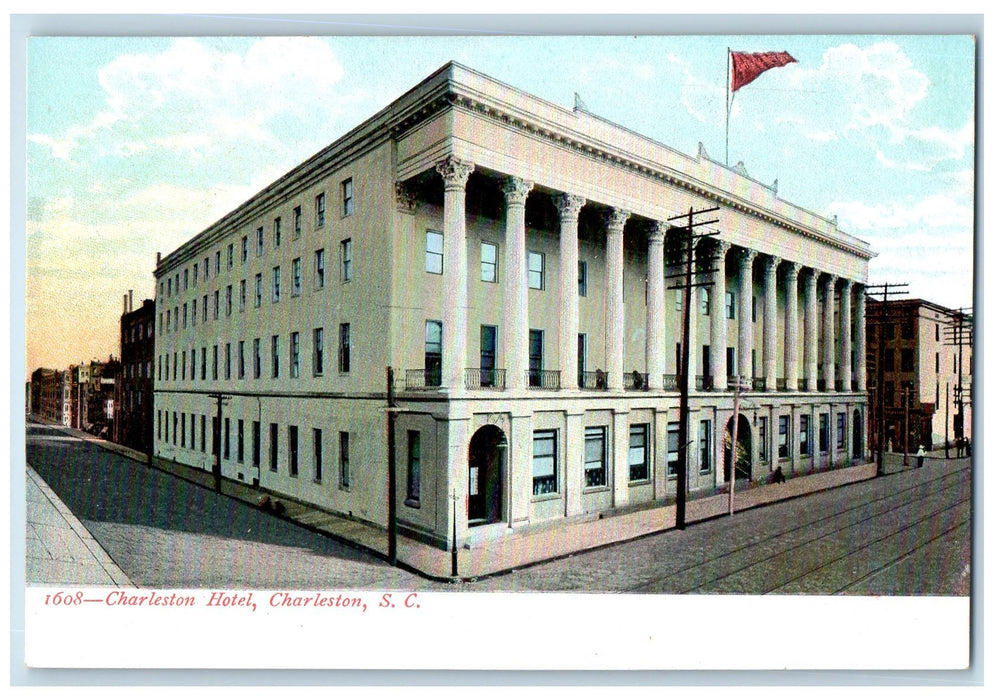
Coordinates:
[59,550]
[478,556]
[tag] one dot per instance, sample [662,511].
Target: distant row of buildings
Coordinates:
[80,397]
[513,262]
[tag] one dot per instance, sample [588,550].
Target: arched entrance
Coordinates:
[857,435]
[487,451]
[743,458]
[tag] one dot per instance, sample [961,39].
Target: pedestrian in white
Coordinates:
[920,455]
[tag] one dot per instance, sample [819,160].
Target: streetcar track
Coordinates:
[862,547]
[785,532]
[907,555]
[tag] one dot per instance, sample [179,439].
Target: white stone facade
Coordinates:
[470,235]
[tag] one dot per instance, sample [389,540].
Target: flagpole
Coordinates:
[728,109]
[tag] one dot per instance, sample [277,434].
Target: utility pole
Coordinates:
[688,276]
[216,470]
[959,335]
[391,472]
[947,420]
[882,321]
[739,384]
[906,391]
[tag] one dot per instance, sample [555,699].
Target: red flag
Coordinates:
[746,67]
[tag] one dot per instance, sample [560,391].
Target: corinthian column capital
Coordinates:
[569,206]
[516,190]
[657,234]
[454,172]
[772,263]
[746,256]
[616,219]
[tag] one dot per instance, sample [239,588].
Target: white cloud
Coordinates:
[935,211]
[701,97]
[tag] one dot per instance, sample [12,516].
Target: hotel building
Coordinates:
[508,258]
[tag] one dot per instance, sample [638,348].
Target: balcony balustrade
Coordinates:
[486,378]
[543,378]
[595,381]
[636,381]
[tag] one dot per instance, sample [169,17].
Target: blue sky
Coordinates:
[136,144]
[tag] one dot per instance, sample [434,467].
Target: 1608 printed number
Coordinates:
[61,598]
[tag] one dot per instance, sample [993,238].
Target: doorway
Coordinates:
[743,450]
[487,454]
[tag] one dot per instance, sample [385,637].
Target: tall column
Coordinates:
[516,283]
[719,324]
[615,303]
[845,330]
[790,330]
[828,323]
[569,302]
[655,311]
[454,172]
[811,331]
[770,322]
[745,313]
[861,344]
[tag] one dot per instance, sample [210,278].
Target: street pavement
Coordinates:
[906,533]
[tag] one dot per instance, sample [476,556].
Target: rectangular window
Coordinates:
[217,304]
[244,248]
[705,441]
[227,300]
[907,360]
[803,437]
[581,359]
[182,430]
[274,446]
[256,359]
[344,477]
[217,262]
[936,363]
[581,278]
[348,203]
[295,280]
[318,455]
[227,360]
[344,348]
[783,438]
[278,227]
[346,254]
[276,356]
[298,221]
[535,338]
[241,359]
[594,454]
[413,469]
[433,353]
[319,205]
[638,454]
[241,295]
[184,316]
[203,364]
[276,284]
[183,371]
[488,262]
[672,448]
[227,438]
[231,255]
[889,359]
[193,313]
[256,443]
[764,438]
[295,355]
[488,354]
[204,311]
[536,270]
[730,305]
[433,252]
[240,442]
[319,268]
[823,432]
[545,476]
[260,241]
[203,434]
[840,432]
[318,362]
[258,290]
[293,463]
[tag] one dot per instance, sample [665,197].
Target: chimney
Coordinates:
[131,301]
[125,303]
[158,257]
